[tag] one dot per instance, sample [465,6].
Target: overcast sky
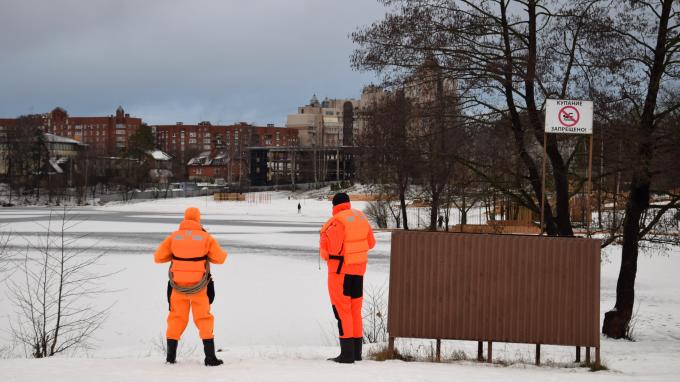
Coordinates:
[178,60]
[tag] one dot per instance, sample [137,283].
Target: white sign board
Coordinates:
[568,116]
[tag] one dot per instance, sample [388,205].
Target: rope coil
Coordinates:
[191,289]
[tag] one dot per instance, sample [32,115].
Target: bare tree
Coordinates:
[26,153]
[375,315]
[637,46]
[4,250]
[378,212]
[386,155]
[507,57]
[435,129]
[54,299]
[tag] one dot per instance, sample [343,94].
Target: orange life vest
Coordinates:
[355,246]
[189,256]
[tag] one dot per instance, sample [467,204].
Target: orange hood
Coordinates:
[192,213]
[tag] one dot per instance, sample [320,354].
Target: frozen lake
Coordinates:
[272,309]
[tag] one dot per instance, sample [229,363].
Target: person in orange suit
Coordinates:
[190,250]
[345,241]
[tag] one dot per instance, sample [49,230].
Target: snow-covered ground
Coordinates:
[273,318]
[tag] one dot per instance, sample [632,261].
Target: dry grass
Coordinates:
[457,355]
[383,354]
[425,353]
[601,367]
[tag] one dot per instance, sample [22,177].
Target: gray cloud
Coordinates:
[172,60]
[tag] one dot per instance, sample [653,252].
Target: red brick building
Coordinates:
[179,139]
[212,165]
[103,135]
[219,151]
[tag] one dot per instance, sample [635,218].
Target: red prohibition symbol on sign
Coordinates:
[569,116]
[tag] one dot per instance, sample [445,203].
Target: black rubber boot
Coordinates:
[172,351]
[346,351]
[357,348]
[210,357]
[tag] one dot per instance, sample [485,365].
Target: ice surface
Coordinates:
[273,317]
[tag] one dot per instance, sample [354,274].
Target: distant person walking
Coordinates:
[345,241]
[190,250]
[299,208]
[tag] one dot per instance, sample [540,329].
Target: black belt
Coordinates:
[190,258]
[339,258]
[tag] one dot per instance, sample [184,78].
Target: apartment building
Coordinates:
[324,124]
[104,135]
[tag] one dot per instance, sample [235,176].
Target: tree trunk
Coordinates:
[434,209]
[402,203]
[463,211]
[617,321]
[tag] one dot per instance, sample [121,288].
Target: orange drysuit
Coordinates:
[189,248]
[345,240]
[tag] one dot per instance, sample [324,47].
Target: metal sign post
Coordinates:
[545,144]
[568,117]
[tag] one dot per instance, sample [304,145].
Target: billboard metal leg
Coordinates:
[597,357]
[538,354]
[578,354]
[439,350]
[480,351]
[488,352]
[588,355]
[390,347]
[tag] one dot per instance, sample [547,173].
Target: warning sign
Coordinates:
[568,116]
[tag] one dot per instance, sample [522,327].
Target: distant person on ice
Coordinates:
[190,251]
[345,240]
[299,208]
